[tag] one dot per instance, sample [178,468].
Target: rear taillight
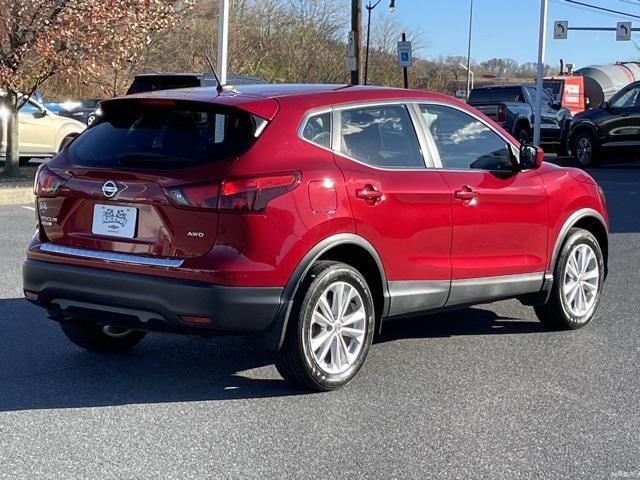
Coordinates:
[203,195]
[236,194]
[47,183]
[501,114]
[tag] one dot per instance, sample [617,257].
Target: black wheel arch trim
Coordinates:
[576,128]
[275,337]
[519,121]
[570,222]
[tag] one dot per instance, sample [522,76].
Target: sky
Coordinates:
[509,29]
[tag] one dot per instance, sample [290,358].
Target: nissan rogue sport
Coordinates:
[305,215]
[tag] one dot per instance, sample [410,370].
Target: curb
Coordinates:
[19,193]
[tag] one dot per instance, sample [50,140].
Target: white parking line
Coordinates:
[29,208]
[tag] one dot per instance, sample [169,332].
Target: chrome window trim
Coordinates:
[514,150]
[111,256]
[303,123]
[431,156]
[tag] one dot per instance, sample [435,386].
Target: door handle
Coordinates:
[369,194]
[466,193]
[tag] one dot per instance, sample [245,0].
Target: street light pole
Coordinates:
[356,22]
[542,41]
[369,7]
[469,51]
[223,41]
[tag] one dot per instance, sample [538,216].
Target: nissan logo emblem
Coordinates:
[109,189]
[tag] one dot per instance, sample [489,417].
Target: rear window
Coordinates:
[496,95]
[159,82]
[185,134]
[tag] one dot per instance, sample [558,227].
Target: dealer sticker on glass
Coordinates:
[114,221]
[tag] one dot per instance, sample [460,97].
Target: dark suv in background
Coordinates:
[150,82]
[512,107]
[612,127]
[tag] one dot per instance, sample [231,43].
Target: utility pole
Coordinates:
[223,41]
[469,52]
[542,41]
[405,71]
[356,27]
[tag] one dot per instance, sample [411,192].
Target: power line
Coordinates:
[603,9]
[585,9]
[635,3]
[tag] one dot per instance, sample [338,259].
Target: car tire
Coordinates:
[577,287]
[585,149]
[24,161]
[318,353]
[522,135]
[100,338]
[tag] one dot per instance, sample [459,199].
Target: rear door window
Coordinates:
[184,134]
[380,136]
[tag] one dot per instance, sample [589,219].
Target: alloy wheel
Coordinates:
[581,281]
[338,328]
[584,150]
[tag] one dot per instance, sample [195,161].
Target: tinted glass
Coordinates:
[318,129]
[381,136]
[628,99]
[465,142]
[545,95]
[496,95]
[159,82]
[164,137]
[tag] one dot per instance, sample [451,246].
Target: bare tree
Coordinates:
[42,38]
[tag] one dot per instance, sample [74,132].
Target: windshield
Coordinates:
[137,135]
[496,95]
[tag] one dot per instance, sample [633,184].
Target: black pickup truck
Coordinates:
[511,106]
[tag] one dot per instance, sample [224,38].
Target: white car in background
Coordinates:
[42,133]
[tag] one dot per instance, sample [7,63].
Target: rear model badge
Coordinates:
[195,234]
[109,189]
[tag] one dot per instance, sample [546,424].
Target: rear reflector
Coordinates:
[195,319]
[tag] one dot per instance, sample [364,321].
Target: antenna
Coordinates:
[219,87]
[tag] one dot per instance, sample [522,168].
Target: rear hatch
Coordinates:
[144,180]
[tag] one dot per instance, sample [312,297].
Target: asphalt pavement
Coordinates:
[483,392]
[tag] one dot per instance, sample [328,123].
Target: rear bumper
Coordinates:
[148,302]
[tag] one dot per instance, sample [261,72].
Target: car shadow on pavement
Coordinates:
[43,370]
[467,321]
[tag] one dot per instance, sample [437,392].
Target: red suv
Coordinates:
[305,215]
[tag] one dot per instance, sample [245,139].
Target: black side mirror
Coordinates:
[556,105]
[605,106]
[531,157]
[40,114]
